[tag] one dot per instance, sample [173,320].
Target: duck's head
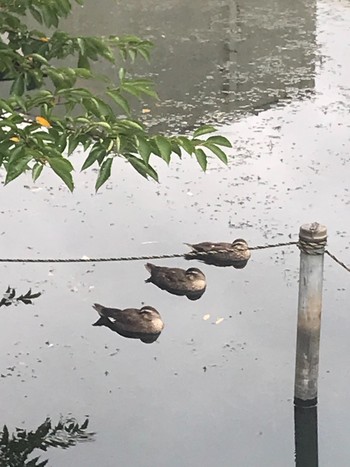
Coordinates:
[195,274]
[149,311]
[240,242]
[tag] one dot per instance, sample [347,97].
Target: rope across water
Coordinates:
[306,247]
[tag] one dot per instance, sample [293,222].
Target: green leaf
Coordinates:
[122,73]
[164,147]
[201,158]
[62,167]
[104,174]
[132,124]
[83,73]
[217,151]
[5,106]
[61,142]
[176,148]
[120,100]
[39,58]
[186,144]
[203,130]
[36,171]
[49,16]
[83,62]
[220,140]
[144,148]
[142,168]
[104,125]
[36,14]
[18,163]
[97,153]
[17,87]
[72,144]
[92,106]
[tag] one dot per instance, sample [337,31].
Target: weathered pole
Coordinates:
[312,242]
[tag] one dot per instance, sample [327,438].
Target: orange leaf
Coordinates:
[44,39]
[15,139]
[42,121]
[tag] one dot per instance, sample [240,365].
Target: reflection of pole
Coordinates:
[312,241]
[305,423]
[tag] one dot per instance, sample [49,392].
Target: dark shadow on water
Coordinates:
[306,440]
[16,449]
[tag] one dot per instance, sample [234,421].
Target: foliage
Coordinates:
[50,110]
[9,297]
[16,448]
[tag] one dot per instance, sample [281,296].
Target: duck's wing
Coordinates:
[171,278]
[209,246]
[204,246]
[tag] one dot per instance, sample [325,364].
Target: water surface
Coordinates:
[203,394]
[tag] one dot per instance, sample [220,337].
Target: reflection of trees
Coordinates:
[9,297]
[15,448]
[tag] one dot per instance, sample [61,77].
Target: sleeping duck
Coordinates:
[234,254]
[145,324]
[176,281]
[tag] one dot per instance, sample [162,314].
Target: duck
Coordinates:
[234,254]
[145,323]
[190,283]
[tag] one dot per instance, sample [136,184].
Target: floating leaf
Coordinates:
[206,317]
[219,320]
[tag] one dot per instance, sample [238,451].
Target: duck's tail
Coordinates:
[99,308]
[150,268]
[103,320]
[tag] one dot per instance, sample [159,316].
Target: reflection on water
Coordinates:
[306,445]
[216,59]
[191,283]
[16,449]
[145,323]
[10,298]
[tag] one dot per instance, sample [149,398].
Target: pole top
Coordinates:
[313,232]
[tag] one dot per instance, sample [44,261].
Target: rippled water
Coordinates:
[204,394]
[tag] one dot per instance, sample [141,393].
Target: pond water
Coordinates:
[208,391]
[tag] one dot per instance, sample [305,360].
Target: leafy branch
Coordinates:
[35,133]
